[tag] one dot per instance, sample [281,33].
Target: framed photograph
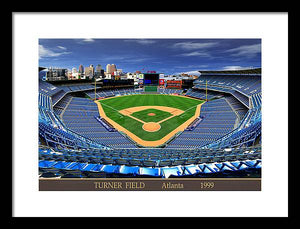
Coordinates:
[105,125]
[178,109]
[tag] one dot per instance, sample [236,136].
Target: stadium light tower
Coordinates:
[206,90]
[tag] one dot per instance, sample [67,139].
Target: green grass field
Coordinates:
[113,105]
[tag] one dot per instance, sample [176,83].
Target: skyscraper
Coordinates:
[110,68]
[98,70]
[80,69]
[113,68]
[89,71]
[92,69]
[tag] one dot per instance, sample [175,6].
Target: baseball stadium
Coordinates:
[210,128]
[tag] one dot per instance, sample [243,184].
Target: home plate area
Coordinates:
[151,126]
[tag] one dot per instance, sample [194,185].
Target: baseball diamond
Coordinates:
[169,115]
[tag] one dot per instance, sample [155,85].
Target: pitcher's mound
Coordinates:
[151,126]
[151,114]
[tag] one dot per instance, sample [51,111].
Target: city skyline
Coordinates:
[168,56]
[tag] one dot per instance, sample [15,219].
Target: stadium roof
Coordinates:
[41,68]
[244,71]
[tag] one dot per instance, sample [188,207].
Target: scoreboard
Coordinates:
[151,78]
[174,84]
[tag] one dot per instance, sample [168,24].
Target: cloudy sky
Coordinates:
[169,56]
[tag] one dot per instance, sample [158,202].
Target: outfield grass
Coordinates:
[113,105]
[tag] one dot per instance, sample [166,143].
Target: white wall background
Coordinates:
[272,28]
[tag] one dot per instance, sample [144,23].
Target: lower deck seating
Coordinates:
[79,116]
[218,119]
